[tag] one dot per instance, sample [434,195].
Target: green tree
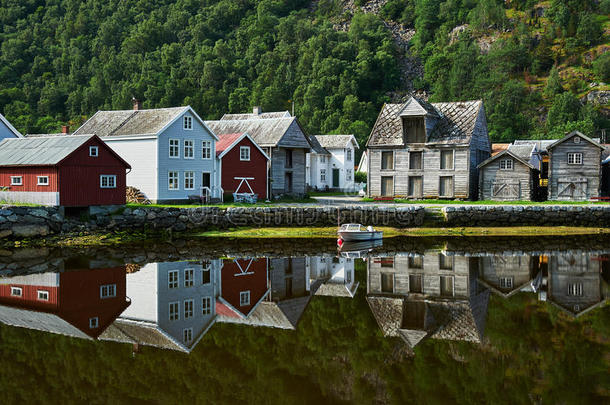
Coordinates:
[566,107]
[601,67]
[553,84]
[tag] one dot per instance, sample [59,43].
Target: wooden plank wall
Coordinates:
[491,174]
[559,170]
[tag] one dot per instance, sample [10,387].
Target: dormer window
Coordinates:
[187,122]
[414,129]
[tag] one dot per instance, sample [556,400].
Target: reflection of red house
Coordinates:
[88,300]
[243,164]
[244,284]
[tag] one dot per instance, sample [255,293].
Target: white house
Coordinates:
[7,130]
[331,163]
[172,152]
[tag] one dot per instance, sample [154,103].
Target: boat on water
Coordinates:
[357,232]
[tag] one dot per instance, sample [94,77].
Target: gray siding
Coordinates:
[518,179]
[574,269]
[585,177]
[479,142]
[279,170]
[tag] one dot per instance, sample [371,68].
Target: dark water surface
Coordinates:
[415,320]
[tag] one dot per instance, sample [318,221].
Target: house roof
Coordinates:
[455,123]
[10,126]
[504,153]
[571,135]
[43,151]
[226,142]
[315,145]
[541,144]
[498,147]
[38,320]
[330,289]
[45,135]
[335,141]
[265,115]
[523,151]
[265,132]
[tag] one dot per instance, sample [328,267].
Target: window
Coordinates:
[42,180]
[446,186]
[348,277]
[414,130]
[416,186]
[244,153]
[387,186]
[446,286]
[349,154]
[506,282]
[187,122]
[445,262]
[348,175]
[107,181]
[189,180]
[323,175]
[206,150]
[187,335]
[94,323]
[506,164]
[387,262]
[189,149]
[387,160]
[174,311]
[575,289]
[205,276]
[172,181]
[244,298]
[16,291]
[206,305]
[416,262]
[93,151]
[415,160]
[574,158]
[446,160]
[188,277]
[415,283]
[108,291]
[43,295]
[174,148]
[172,279]
[188,309]
[16,181]
[323,159]
[288,159]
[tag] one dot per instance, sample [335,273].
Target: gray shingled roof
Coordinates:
[38,320]
[335,141]
[44,135]
[330,289]
[265,115]
[39,151]
[523,160]
[542,144]
[129,122]
[317,148]
[522,151]
[265,132]
[147,334]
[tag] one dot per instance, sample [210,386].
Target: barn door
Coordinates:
[505,190]
[575,189]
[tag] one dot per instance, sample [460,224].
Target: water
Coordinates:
[439,320]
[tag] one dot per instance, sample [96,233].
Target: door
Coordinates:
[205,180]
[416,189]
[387,186]
[574,189]
[336,178]
[506,190]
[288,183]
[446,186]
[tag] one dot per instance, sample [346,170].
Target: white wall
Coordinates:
[141,154]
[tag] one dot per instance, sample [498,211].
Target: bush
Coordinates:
[601,67]
[360,177]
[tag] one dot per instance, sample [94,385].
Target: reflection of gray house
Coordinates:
[336,273]
[575,283]
[172,305]
[506,275]
[432,295]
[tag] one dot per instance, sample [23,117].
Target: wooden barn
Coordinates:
[574,168]
[422,150]
[242,165]
[510,175]
[71,171]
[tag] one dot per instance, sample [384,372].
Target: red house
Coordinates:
[71,171]
[243,165]
[244,283]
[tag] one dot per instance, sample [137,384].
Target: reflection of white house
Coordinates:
[172,305]
[330,164]
[337,275]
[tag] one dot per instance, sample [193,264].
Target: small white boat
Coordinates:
[356,232]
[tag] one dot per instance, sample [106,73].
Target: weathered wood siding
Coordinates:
[586,175]
[480,150]
[574,269]
[517,268]
[279,170]
[520,177]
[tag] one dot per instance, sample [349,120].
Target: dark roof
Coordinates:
[522,151]
[265,132]
[454,123]
[335,141]
[315,145]
[504,153]
[44,151]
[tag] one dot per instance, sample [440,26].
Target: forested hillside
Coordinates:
[533,63]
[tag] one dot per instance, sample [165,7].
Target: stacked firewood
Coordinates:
[136,196]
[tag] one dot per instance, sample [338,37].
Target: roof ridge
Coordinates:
[135,112]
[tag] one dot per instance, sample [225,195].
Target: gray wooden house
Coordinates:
[506,275]
[511,174]
[574,168]
[282,138]
[422,150]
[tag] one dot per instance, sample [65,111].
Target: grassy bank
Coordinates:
[482,202]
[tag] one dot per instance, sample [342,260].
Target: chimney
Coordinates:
[65,129]
[257,110]
[137,104]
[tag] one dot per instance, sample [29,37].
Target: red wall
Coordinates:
[232,285]
[256,167]
[29,175]
[79,177]
[29,299]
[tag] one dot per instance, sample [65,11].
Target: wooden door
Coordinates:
[506,190]
[416,188]
[387,186]
[288,183]
[446,186]
[575,189]
[336,178]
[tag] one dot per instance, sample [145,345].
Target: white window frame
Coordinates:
[40,183]
[189,145]
[244,157]
[174,145]
[575,158]
[323,175]
[206,150]
[575,290]
[16,291]
[187,123]
[506,164]
[173,313]
[188,308]
[349,155]
[107,291]
[322,158]
[187,335]
[94,151]
[43,295]
[109,179]
[189,277]
[189,176]
[173,175]
[244,298]
[94,322]
[173,282]
[348,174]
[206,305]
[16,180]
